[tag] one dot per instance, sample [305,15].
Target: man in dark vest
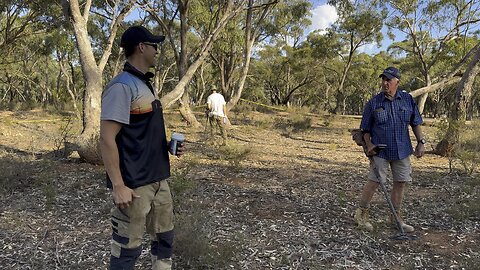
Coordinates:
[135,153]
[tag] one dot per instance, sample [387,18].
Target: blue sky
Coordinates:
[323,15]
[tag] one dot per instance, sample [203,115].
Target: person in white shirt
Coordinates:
[217,114]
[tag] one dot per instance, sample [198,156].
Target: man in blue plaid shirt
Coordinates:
[385,120]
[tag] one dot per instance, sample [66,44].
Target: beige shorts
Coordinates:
[401,169]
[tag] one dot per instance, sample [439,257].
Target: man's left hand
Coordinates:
[419,150]
[180,149]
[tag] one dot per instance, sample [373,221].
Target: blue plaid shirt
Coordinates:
[387,122]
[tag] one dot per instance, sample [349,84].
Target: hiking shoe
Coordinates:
[361,217]
[405,226]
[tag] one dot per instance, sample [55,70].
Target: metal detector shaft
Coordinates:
[387,197]
[206,122]
[357,136]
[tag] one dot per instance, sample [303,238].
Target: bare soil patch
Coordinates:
[286,204]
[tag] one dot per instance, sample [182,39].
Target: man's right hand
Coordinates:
[123,196]
[371,150]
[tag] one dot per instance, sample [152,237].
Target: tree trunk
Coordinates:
[250,37]
[434,87]
[170,98]
[202,86]
[421,102]
[459,110]
[186,111]
[340,95]
[87,143]
[69,84]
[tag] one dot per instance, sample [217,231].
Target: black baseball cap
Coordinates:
[391,72]
[138,34]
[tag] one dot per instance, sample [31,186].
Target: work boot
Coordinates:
[361,217]
[405,226]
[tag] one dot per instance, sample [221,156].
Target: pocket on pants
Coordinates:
[120,223]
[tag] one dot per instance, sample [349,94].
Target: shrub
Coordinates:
[193,228]
[468,149]
[235,154]
[193,244]
[300,123]
[293,124]
[328,120]
[180,184]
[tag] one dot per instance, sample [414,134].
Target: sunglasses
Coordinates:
[154,45]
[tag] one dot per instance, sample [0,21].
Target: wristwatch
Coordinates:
[422,140]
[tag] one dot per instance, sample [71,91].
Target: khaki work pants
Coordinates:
[217,122]
[154,209]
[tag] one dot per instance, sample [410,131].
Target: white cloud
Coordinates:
[369,48]
[322,17]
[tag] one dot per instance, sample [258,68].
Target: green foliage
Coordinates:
[442,127]
[64,136]
[41,67]
[328,120]
[359,22]
[465,209]
[192,226]
[242,111]
[468,151]
[300,123]
[180,184]
[234,154]
[294,123]
[287,19]
[283,74]
[192,242]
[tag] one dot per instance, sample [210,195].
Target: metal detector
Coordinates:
[358,138]
[402,235]
[207,121]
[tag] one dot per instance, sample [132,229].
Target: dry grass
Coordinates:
[267,201]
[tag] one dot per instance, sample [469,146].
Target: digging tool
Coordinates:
[357,136]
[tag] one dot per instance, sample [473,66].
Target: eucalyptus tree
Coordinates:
[23,24]
[226,58]
[309,67]
[64,52]
[94,54]
[263,20]
[458,115]
[363,81]
[284,75]
[21,19]
[431,27]
[324,48]
[359,23]
[220,13]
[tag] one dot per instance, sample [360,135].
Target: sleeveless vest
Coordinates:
[142,144]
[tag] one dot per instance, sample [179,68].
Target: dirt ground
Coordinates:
[273,199]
